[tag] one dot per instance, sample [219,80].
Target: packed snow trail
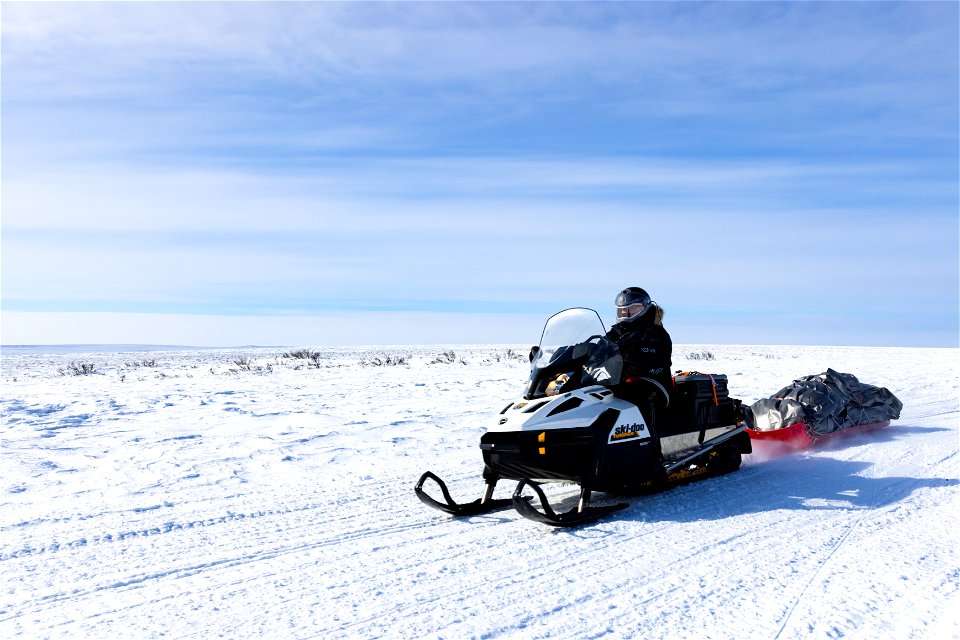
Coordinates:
[193,496]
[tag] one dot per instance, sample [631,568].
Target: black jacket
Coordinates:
[646,349]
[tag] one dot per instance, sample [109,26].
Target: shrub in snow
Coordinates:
[513,355]
[78,369]
[314,357]
[386,361]
[143,363]
[302,354]
[446,357]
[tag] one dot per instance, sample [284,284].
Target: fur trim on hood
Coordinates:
[658,318]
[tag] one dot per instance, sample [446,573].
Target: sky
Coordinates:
[224,174]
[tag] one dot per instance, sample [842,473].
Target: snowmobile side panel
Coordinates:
[673,444]
[572,410]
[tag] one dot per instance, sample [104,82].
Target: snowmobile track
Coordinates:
[823,564]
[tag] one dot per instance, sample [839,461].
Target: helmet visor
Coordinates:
[630,311]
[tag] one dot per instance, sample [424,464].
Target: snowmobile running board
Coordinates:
[583,513]
[477,507]
[708,446]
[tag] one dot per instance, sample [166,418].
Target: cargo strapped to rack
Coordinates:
[713,382]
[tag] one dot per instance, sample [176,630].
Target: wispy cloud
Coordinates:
[263,158]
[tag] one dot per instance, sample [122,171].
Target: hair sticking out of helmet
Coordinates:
[632,303]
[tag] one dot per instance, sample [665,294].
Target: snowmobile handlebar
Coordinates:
[568,359]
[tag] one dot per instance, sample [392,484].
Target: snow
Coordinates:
[238,493]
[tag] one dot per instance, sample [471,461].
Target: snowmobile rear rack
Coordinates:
[485,504]
[583,513]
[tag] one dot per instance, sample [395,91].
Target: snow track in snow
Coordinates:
[190,499]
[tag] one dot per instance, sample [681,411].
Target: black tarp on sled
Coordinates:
[824,404]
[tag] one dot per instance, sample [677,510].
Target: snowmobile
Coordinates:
[571,425]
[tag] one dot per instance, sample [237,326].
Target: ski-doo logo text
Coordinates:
[624,432]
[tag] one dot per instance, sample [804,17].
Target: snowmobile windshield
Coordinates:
[568,342]
[564,329]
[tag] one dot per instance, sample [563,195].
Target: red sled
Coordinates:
[797,436]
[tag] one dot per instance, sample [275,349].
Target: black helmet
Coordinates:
[632,303]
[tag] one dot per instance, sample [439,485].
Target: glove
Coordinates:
[554,387]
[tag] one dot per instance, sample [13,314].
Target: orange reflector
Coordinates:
[543,451]
[542,437]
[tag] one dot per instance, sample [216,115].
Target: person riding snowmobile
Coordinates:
[646,349]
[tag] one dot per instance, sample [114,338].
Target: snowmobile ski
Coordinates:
[479,506]
[583,513]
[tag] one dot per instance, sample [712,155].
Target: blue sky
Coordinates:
[370,173]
